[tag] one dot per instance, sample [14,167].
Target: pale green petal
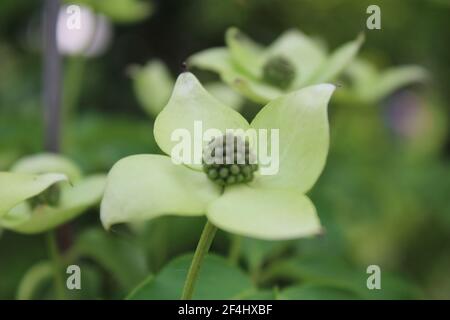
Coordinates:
[75,198]
[18,187]
[48,162]
[143,187]
[302,51]
[362,73]
[254,90]
[364,77]
[302,121]
[74,201]
[264,214]
[395,78]
[214,59]
[190,105]
[219,60]
[225,94]
[338,61]
[246,54]
[152,85]
[370,85]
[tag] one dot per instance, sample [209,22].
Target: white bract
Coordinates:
[34,175]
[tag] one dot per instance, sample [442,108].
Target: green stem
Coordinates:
[203,246]
[235,249]
[73,81]
[56,264]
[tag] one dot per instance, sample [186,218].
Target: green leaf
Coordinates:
[315,292]
[37,283]
[46,163]
[92,284]
[334,272]
[264,213]
[302,121]
[190,103]
[156,236]
[217,280]
[125,11]
[74,201]
[120,11]
[394,287]
[257,252]
[38,275]
[18,187]
[125,261]
[302,51]
[321,270]
[153,85]
[259,295]
[338,61]
[245,53]
[143,187]
[15,263]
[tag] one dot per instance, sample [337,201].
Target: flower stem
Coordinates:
[235,249]
[73,82]
[203,246]
[51,77]
[56,264]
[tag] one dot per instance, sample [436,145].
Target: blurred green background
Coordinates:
[383,197]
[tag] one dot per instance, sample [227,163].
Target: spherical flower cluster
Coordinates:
[228,160]
[279,72]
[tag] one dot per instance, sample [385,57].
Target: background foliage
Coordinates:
[383,197]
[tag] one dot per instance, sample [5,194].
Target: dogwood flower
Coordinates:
[43,191]
[141,187]
[261,74]
[370,85]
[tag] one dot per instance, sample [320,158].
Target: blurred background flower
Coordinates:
[90,38]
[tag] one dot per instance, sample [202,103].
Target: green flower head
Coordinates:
[261,74]
[43,191]
[274,206]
